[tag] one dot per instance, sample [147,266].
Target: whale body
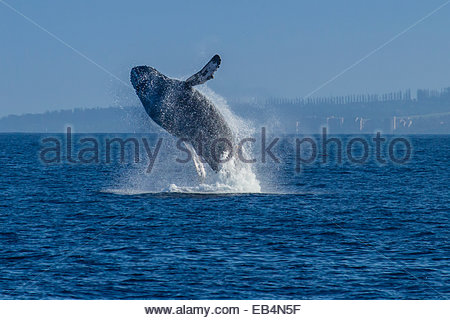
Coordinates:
[185,113]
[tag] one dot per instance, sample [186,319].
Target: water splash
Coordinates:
[169,175]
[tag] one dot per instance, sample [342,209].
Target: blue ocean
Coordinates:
[331,230]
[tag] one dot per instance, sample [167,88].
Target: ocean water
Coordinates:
[264,231]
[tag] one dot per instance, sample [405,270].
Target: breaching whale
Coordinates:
[185,113]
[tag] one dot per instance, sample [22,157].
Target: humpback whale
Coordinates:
[185,113]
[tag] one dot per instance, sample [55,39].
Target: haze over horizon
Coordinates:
[283,49]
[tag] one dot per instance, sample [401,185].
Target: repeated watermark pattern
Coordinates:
[307,149]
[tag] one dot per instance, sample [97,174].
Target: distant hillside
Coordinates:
[98,120]
[428,112]
[394,112]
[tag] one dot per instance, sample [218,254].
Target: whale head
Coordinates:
[147,81]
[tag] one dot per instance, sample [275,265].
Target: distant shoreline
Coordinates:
[392,113]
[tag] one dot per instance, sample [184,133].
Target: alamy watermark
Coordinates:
[307,149]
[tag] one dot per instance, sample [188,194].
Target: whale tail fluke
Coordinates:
[206,73]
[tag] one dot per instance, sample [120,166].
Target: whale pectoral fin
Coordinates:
[206,73]
[197,162]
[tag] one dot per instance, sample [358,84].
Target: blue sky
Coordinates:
[268,48]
